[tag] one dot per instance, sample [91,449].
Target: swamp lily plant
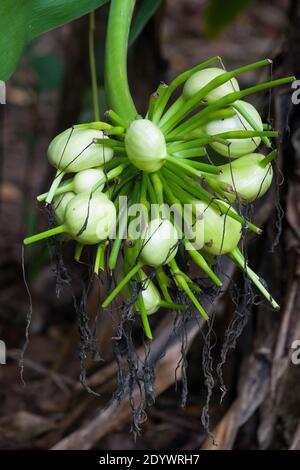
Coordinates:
[163,158]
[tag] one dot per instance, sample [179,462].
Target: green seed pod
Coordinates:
[145,145]
[238,147]
[84,181]
[74,150]
[221,232]
[94,216]
[60,204]
[247,176]
[150,295]
[195,228]
[202,78]
[160,243]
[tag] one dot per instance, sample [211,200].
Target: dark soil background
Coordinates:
[261,410]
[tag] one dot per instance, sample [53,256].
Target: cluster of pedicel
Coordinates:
[174,156]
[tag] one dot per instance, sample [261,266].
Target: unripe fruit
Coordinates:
[247,176]
[238,147]
[74,150]
[150,295]
[222,233]
[195,227]
[60,203]
[200,79]
[90,219]
[145,145]
[159,243]
[84,181]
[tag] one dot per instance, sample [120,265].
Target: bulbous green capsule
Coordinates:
[237,147]
[60,205]
[160,243]
[248,176]
[145,145]
[150,295]
[89,219]
[221,233]
[74,150]
[84,181]
[202,78]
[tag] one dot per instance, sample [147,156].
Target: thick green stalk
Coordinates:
[116,80]
[268,159]
[197,121]
[100,258]
[93,68]
[163,282]
[122,284]
[143,312]
[63,188]
[78,251]
[56,182]
[185,287]
[238,258]
[172,305]
[48,233]
[190,153]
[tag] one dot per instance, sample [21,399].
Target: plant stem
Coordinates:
[245,134]
[115,119]
[57,179]
[98,125]
[93,68]
[43,235]
[197,121]
[201,141]
[122,284]
[116,79]
[100,258]
[63,188]
[190,153]
[110,176]
[172,305]
[163,282]
[201,262]
[268,159]
[184,285]
[78,251]
[143,312]
[173,110]
[113,257]
[144,188]
[155,99]
[118,130]
[184,166]
[238,258]
[202,167]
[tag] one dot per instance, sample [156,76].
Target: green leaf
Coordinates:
[146,11]
[219,14]
[23,20]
